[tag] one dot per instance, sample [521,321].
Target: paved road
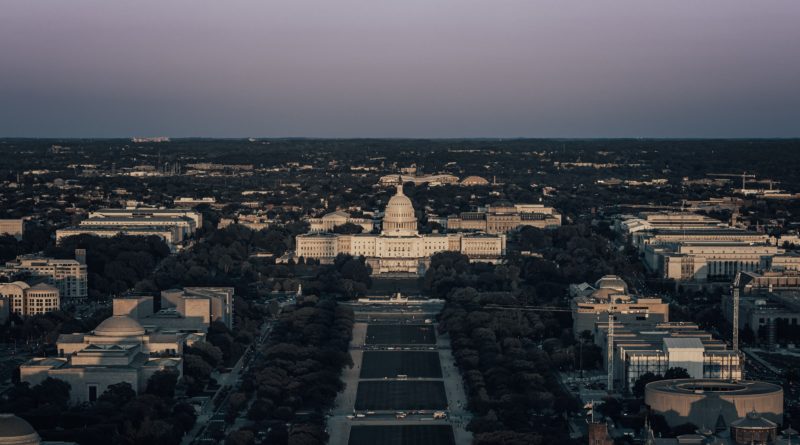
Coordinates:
[229,380]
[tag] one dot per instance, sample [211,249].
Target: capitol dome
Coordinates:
[399,218]
[16,431]
[119,326]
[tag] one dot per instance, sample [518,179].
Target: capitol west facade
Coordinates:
[399,248]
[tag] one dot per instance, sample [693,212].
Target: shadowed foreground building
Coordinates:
[16,431]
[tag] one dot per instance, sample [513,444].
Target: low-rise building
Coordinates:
[769,302]
[12,227]
[503,218]
[591,305]
[436,179]
[329,221]
[639,349]
[192,309]
[170,235]
[708,261]
[118,350]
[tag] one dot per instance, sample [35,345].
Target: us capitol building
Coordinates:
[399,248]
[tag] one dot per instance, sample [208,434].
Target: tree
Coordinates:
[118,394]
[162,384]
[240,437]
[642,381]
[676,373]
[53,391]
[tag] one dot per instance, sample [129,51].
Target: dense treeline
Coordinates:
[45,328]
[296,375]
[508,362]
[222,258]
[346,278]
[114,264]
[509,358]
[119,417]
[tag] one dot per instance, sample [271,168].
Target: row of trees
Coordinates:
[507,359]
[115,264]
[297,374]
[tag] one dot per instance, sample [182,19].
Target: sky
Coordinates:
[400,68]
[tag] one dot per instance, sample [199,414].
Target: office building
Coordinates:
[70,277]
[174,226]
[25,300]
[639,349]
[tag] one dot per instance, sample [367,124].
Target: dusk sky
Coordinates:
[410,68]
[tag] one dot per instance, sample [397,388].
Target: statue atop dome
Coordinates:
[399,218]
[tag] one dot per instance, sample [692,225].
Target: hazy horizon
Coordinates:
[467,69]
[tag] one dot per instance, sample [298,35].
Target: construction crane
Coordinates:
[744,177]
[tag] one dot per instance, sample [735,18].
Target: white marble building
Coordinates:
[399,248]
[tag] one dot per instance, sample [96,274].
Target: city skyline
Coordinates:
[365,69]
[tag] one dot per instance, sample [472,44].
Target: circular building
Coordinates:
[16,431]
[714,404]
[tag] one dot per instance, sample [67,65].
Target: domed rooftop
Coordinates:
[474,180]
[16,431]
[399,218]
[119,326]
[19,284]
[612,282]
[754,421]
